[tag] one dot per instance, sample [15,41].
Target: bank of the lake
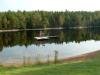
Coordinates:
[14,30]
[55,28]
[90,66]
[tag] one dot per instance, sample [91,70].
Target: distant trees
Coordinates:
[44,19]
[36,20]
[4,22]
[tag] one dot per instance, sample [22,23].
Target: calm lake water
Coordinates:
[21,47]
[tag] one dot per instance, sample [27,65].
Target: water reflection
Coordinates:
[17,47]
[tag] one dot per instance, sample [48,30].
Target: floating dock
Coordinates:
[44,37]
[41,38]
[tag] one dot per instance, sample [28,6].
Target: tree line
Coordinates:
[45,19]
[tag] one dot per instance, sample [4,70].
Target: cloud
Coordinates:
[73,5]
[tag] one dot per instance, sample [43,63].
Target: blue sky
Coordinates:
[49,5]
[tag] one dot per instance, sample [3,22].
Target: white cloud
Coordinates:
[73,5]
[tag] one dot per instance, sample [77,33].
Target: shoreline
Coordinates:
[13,30]
[79,58]
[83,56]
[57,28]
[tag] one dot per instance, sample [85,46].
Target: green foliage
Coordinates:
[44,19]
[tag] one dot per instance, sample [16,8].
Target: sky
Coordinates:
[50,5]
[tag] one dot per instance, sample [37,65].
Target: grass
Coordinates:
[89,67]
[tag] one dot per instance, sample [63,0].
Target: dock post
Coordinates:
[56,57]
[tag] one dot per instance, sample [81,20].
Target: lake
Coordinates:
[22,48]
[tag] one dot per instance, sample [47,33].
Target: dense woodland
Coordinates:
[44,19]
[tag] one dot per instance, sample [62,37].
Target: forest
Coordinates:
[48,19]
